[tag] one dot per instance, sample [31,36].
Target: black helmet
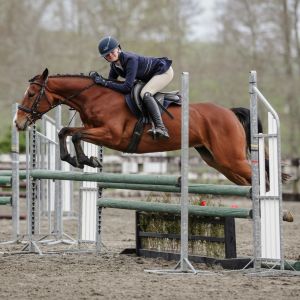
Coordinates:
[107,44]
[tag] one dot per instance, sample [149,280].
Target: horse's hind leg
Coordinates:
[238,171]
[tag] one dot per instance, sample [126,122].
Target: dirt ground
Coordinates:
[111,275]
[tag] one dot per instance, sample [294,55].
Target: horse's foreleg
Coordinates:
[64,153]
[81,157]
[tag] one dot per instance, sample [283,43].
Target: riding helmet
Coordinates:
[107,44]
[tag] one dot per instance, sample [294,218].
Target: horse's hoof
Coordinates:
[287,216]
[78,164]
[96,163]
[74,162]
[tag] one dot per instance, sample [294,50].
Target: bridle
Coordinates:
[33,113]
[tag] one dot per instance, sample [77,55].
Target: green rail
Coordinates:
[105,177]
[160,183]
[5,200]
[212,189]
[5,180]
[141,182]
[175,208]
[22,173]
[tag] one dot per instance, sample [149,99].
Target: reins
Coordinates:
[62,101]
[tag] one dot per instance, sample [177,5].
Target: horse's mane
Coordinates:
[81,75]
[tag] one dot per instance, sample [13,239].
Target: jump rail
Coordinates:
[8,173]
[136,182]
[5,181]
[160,183]
[5,200]
[175,208]
[105,177]
[201,189]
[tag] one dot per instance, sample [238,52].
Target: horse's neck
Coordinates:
[69,89]
[66,86]
[79,94]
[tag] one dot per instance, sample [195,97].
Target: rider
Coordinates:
[156,72]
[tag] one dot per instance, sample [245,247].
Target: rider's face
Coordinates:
[113,55]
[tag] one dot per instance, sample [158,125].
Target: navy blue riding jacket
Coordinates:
[135,67]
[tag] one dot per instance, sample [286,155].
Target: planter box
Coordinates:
[208,236]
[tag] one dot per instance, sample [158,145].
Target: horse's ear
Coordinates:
[45,74]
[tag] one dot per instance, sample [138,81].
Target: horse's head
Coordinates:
[35,103]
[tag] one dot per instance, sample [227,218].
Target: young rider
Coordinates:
[157,73]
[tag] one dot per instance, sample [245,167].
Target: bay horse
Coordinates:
[220,135]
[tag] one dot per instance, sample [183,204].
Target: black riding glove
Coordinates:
[98,79]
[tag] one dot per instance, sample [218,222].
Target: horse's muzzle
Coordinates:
[21,123]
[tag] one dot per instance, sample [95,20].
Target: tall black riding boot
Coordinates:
[153,109]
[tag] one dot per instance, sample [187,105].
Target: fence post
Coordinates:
[15,177]
[255,171]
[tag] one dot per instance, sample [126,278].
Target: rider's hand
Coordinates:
[98,79]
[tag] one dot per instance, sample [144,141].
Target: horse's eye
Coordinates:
[30,94]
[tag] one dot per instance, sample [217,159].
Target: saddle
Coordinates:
[135,104]
[163,99]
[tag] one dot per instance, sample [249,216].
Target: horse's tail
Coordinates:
[243,115]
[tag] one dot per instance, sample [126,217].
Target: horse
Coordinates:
[220,135]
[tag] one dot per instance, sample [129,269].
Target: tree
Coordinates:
[263,35]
